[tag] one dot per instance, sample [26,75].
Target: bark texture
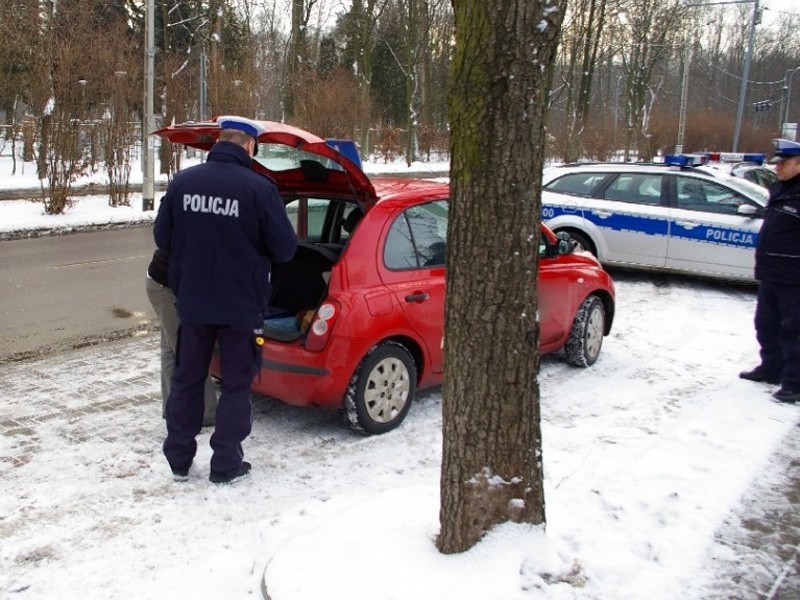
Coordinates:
[491,464]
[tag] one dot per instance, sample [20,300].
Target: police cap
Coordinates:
[784,149]
[250,127]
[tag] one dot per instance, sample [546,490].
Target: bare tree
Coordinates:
[364,15]
[580,45]
[297,59]
[648,32]
[492,453]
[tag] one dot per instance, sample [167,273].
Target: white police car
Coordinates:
[747,166]
[668,216]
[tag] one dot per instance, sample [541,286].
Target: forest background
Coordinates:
[71,77]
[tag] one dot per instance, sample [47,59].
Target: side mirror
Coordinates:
[565,243]
[747,210]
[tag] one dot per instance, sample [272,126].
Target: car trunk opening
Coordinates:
[298,288]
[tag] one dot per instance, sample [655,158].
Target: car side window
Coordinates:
[307,216]
[707,196]
[577,184]
[644,188]
[399,250]
[418,237]
[429,230]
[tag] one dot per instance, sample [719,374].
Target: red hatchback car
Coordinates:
[356,319]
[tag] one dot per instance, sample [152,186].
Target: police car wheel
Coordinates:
[586,337]
[381,391]
[582,241]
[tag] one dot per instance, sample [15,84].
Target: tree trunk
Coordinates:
[491,463]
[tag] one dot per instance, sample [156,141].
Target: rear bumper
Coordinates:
[295,376]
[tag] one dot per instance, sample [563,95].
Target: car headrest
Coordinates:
[313,171]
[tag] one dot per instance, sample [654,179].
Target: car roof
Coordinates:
[402,189]
[300,162]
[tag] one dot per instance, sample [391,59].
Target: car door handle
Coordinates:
[603,213]
[687,224]
[418,297]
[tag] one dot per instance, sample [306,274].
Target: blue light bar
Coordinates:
[346,147]
[684,160]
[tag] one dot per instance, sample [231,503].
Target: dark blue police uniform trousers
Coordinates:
[777,323]
[239,358]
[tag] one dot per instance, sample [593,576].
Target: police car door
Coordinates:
[631,214]
[710,231]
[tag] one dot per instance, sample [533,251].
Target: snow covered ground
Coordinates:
[646,455]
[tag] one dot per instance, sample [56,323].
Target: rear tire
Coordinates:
[586,337]
[380,393]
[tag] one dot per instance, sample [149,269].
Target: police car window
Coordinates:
[637,188]
[579,184]
[418,237]
[707,196]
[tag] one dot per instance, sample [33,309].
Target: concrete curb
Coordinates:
[143,328]
[24,234]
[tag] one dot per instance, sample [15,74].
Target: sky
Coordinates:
[775,9]
[643,456]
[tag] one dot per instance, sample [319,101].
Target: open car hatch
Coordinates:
[300,162]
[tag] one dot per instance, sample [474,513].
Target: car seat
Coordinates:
[350,222]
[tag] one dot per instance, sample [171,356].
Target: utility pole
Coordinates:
[745,76]
[148,187]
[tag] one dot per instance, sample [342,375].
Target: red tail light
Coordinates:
[321,325]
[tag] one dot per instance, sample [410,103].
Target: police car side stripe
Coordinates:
[650,225]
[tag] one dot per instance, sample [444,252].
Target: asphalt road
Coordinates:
[68,291]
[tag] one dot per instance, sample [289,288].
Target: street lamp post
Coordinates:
[745,76]
[786,96]
[148,184]
[687,57]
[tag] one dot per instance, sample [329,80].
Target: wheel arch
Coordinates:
[413,348]
[608,306]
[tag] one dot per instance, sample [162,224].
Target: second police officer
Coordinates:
[777,318]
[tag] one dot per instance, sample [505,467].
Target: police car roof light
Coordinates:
[684,160]
[737,157]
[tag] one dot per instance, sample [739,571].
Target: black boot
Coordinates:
[787,395]
[217,477]
[760,375]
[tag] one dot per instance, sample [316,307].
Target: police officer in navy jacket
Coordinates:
[223,225]
[777,317]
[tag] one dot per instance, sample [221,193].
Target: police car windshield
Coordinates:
[279,157]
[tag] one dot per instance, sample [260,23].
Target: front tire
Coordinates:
[582,242]
[586,337]
[380,393]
